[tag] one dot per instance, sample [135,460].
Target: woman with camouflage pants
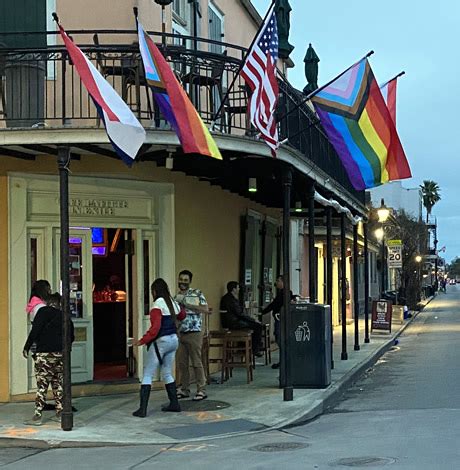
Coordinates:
[47,334]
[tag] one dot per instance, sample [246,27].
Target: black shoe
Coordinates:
[276,365]
[173,400]
[144,395]
[258,354]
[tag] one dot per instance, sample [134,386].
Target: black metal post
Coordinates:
[382,254]
[436,283]
[355,286]
[288,391]
[63,164]
[343,265]
[329,283]
[195,24]
[312,273]
[366,286]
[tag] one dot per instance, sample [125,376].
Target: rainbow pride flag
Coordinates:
[173,102]
[357,122]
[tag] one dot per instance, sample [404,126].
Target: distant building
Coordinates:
[398,198]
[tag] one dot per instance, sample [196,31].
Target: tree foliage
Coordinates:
[431,194]
[413,235]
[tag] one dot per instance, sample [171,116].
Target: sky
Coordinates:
[419,37]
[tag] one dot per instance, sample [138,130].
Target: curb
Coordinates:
[333,395]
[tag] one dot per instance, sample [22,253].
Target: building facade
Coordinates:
[168,212]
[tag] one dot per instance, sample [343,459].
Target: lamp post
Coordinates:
[383,213]
[163,4]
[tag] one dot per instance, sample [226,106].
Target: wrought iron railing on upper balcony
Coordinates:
[39,88]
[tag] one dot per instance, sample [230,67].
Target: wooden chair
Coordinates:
[131,72]
[215,340]
[237,352]
[211,79]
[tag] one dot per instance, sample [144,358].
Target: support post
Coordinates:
[382,254]
[288,391]
[343,265]
[329,283]
[436,283]
[63,165]
[355,286]
[312,274]
[366,286]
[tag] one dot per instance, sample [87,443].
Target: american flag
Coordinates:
[259,72]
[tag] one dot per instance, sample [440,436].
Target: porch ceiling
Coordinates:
[243,159]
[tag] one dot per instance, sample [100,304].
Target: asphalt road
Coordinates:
[403,414]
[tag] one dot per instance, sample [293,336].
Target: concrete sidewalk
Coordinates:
[232,408]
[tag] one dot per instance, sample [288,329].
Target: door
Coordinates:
[251,246]
[146,246]
[269,273]
[81,299]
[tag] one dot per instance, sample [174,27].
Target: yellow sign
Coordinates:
[394,242]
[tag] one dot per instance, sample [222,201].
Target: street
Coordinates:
[403,414]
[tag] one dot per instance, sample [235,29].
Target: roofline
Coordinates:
[253,13]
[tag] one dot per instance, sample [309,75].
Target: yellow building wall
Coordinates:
[4,328]
[207,229]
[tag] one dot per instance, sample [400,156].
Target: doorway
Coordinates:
[112,309]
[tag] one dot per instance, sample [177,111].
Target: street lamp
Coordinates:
[163,4]
[418,259]
[383,213]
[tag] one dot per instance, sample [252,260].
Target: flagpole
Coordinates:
[63,167]
[400,74]
[313,93]
[213,122]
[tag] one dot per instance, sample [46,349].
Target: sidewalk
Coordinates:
[232,408]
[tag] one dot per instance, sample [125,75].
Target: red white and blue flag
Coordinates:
[125,132]
[259,72]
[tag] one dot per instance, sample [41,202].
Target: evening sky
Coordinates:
[418,36]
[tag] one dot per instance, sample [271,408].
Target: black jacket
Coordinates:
[277,303]
[46,331]
[233,313]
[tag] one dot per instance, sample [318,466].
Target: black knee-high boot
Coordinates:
[144,401]
[172,395]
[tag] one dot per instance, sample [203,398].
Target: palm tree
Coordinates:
[430,194]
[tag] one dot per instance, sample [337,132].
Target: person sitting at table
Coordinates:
[234,318]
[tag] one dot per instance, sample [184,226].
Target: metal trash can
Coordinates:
[309,345]
[25,90]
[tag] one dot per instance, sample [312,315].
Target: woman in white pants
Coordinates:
[162,343]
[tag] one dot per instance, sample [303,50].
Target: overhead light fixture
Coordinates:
[252,188]
[383,212]
[298,206]
[169,162]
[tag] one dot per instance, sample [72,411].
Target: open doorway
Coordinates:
[112,314]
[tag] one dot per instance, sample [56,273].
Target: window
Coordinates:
[216,28]
[180,8]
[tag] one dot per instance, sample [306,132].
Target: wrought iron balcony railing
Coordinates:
[39,87]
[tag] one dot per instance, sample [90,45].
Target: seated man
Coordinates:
[234,318]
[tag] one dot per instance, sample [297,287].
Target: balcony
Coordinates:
[40,88]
